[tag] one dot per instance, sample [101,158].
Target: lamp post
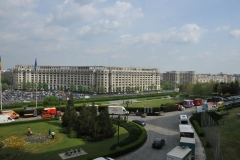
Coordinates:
[127,102]
[118,131]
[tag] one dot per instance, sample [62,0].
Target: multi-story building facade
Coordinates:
[179,77]
[203,78]
[108,79]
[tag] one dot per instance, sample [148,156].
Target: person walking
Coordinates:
[29,131]
[52,133]
[49,132]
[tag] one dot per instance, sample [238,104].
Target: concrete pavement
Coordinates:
[167,128]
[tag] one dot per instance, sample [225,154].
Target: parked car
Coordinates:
[158,143]
[139,121]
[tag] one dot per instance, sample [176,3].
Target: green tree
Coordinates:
[24,86]
[92,127]
[4,86]
[5,80]
[28,85]
[45,87]
[107,129]
[40,86]
[50,101]
[186,87]
[80,88]
[219,89]
[72,87]
[70,116]
[102,89]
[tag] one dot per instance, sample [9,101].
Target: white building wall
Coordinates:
[57,77]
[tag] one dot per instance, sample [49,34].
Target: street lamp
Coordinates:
[118,131]
[127,102]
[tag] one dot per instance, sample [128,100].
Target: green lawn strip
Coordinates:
[142,102]
[230,141]
[230,134]
[51,148]
[152,103]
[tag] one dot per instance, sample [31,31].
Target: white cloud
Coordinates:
[9,37]
[222,28]
[96,51]
[235,33]
[84,30]
[174,52]
[190,33]
[198,56]
[187,33]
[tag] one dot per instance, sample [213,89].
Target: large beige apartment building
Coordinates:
[203,78]
[110,79]
[179,77]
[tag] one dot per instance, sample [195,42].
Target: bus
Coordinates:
[186,131]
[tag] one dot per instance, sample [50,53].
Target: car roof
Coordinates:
[140,120]
[157,139]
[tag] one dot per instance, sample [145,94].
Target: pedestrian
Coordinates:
[49,132]
[179,107]
[52,133]
[28,130]
[238,114]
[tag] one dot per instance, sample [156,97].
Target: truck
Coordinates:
[4,118]
[206,106]
[117,110]
[50,113]
[188,142]
[197,102]
[29,112]
[186,131]
[187,103]
[179,153]
[11,113]
[220,104]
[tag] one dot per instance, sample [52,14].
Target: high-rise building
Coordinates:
[91,78]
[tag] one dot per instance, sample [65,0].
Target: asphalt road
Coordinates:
[165,127]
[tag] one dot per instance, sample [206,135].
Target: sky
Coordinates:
[171,35]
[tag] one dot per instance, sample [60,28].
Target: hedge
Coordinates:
[137,137]
[198,129]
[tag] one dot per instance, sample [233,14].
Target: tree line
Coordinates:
[210,88]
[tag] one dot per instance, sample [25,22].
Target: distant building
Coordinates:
[111,79]
[179,77]
[203,78]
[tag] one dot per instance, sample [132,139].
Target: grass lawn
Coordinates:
[230,136]
[51,148]
[151,103]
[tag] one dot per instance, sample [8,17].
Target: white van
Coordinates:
[183,119]
[4,118]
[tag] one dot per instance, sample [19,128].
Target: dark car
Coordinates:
[158,143]
[141,122]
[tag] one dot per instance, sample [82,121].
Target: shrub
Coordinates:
[198,129]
